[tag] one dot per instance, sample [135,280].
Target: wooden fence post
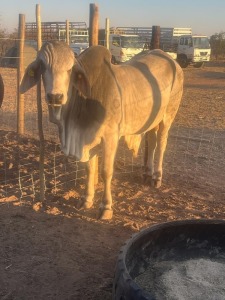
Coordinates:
[93,25]
[20,73]
[107,33]
[155,42]
[39,109]
[93,41]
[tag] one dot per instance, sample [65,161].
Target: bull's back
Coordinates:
[147,83]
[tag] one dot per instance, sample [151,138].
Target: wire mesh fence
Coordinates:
[193,154]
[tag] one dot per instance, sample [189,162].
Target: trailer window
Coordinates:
[79,39]
[131,42]
[188,42]
[116,41]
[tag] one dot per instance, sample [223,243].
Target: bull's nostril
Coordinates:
[59,96]
[54,99]
[49,96]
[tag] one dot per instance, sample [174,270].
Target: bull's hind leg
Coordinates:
[150,145]
[155,145]
[162,136]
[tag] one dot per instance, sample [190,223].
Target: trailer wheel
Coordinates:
[183,61]
[199,64]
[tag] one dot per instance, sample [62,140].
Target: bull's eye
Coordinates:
[69,71]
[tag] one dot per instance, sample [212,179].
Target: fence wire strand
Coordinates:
[193,154]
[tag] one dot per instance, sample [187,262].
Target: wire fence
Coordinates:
[192,155]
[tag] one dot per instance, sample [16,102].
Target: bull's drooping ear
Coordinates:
[31,77]
[81,81]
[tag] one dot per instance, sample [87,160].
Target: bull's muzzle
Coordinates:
[54,99]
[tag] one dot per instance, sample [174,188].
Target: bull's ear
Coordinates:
[81,81]
[31,77]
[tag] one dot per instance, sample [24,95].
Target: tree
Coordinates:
[217,42]
[7,41]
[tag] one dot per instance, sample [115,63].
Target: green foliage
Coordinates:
[217,42]
[7,41]
[2,33]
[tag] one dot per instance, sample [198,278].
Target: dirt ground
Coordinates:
[53,251]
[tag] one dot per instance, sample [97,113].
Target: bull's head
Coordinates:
[60,72]
[65,80]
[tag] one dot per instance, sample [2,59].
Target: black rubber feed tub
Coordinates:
[173,260]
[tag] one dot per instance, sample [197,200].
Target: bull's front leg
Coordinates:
[109,151]
[87,201]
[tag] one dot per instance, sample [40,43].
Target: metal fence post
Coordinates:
[107,33]
[39,109]
[67,32]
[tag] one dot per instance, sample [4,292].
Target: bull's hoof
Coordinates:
[156,183]
[105,214]
[82,204]
[147,179]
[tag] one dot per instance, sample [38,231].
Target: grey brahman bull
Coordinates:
[94,102]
